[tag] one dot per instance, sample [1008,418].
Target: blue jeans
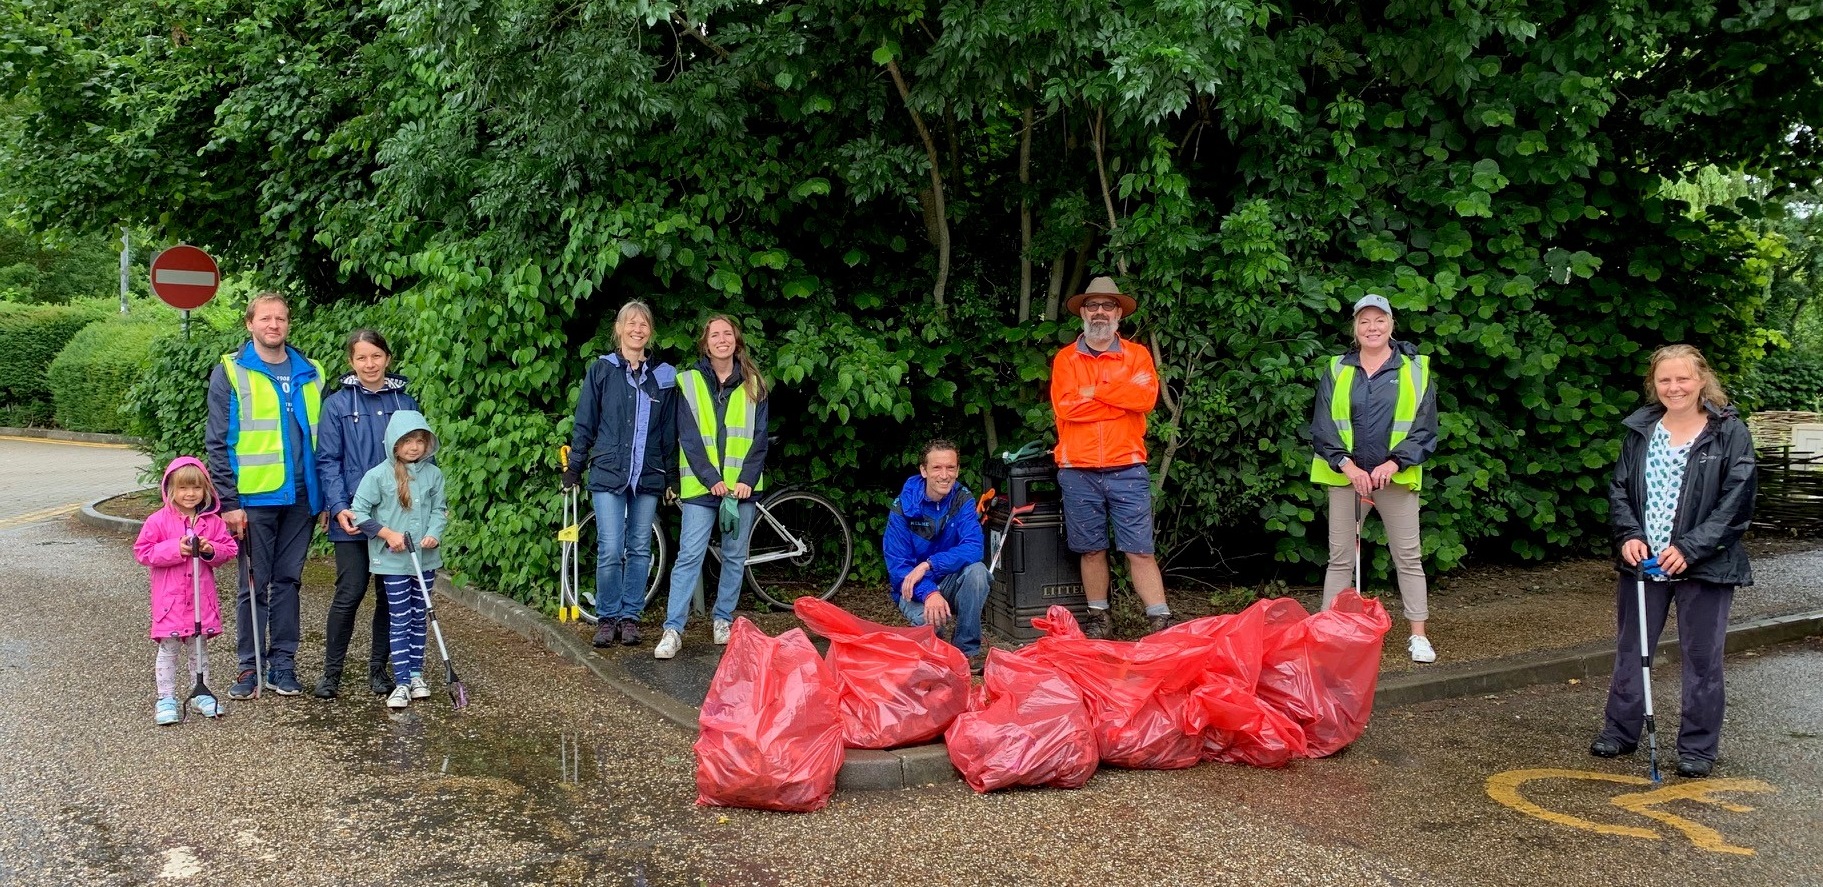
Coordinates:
[623,552]
[692,545]
[966,593]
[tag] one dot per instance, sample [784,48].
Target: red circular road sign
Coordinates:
[185,277]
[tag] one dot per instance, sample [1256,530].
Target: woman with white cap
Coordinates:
[1373,426]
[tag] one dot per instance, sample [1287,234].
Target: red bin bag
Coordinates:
[770,732]
[1029,726]
[898,685]
[1138,693]
[1321,669]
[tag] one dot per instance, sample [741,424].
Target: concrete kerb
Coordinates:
[71,436]
[1580,663]
[88,516]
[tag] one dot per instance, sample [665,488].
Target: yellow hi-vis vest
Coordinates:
[742,414]
[259,445]
[1414,378]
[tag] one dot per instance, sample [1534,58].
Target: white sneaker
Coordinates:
[723,631]
[400,698]
[1421,648]
[668,645]
[419,689]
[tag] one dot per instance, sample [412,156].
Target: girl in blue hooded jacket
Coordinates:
[404,495]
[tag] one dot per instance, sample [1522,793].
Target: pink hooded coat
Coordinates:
[159,542]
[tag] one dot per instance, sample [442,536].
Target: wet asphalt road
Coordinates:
[551,779]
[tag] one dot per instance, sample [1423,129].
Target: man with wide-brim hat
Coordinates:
[1102,387]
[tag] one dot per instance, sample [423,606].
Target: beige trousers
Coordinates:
[1398,508]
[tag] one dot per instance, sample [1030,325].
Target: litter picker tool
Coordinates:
[1647,567]
[253,622]
[1362,506]
[458,692]
[201,690]
[569,576]
[1012,517]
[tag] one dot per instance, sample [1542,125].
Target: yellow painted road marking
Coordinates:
[1504,787]
[66,443]
[32,517]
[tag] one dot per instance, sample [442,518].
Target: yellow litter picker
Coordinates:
[569,570]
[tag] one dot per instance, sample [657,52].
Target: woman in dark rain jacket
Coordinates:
[1682,493]
[351,438]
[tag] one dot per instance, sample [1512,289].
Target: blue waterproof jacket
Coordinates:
[622,419]
[351,438]
[946,532]
[223,430]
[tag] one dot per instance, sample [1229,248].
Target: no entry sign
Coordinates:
[185,277]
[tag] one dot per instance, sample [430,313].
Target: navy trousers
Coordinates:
[1702,633]
[278,538]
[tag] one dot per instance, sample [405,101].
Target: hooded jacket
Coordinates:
[223,431]
[351,438]
[621,448]
[1714,507]
[946,533]
[376,502]
[161,538]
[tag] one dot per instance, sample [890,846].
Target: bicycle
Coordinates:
[800,545]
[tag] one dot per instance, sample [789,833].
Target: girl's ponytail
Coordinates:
[403,476]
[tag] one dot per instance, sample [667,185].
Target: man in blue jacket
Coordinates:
[933,551]
[264,404]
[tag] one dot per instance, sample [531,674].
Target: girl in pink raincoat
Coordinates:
[170,543]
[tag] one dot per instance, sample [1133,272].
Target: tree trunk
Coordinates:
[1025,217]
[936,184]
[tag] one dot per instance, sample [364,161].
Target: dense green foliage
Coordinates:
[30,337]
[894,196]
[37,269]
[1785,380]
[91,374]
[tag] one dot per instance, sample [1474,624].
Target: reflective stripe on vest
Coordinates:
[742,414]
[259,444]
[1414,378]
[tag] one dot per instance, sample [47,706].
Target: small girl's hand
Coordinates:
[428,543]
[205,549]
[395,541]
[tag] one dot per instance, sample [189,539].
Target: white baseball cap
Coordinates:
[1372,300]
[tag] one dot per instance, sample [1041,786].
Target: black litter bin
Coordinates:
[1037,569]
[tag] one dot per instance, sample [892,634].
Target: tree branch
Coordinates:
[1025,217]
[936,183]
[1099,134]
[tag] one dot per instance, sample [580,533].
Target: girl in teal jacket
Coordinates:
[404,495]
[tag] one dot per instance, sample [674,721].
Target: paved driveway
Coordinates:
[45,479]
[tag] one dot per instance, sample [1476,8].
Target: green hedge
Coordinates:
[91,375]
[30,337]
[1784,380]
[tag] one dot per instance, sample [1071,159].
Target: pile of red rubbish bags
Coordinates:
[1260,687]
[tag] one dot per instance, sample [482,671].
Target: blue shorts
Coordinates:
[1091,496]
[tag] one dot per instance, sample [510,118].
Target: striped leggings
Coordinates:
[405,609]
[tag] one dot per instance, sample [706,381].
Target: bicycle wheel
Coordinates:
[585,549]
[800,546]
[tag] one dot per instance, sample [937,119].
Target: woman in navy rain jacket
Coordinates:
[626,436]
[351,438]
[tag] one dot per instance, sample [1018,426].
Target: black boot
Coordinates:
[329,687]
[1098,624]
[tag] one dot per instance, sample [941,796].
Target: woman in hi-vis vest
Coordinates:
[721,436]
[1373,426]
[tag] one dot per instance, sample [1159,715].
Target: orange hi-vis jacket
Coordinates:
[1101,402]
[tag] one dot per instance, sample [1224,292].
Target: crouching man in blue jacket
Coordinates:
[933,551]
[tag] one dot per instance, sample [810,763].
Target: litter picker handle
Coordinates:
[411,544]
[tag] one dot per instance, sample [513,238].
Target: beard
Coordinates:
[1100,329]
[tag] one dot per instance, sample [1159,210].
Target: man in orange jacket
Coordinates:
[1102,387]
